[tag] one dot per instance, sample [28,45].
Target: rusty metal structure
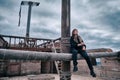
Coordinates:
[30,4]
[40,49]
[18,42]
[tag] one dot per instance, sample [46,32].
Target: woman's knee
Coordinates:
[74,51]
[74,54]
[85,55]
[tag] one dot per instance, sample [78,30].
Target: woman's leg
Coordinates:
[86,57]
[74,57]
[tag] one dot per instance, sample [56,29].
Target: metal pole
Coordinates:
[65,35]
[30,4]
[28,19]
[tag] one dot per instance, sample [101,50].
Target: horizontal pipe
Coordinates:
[7,54]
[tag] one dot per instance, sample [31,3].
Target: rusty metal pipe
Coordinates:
[7,54]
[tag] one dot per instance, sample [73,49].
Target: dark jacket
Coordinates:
[74,44]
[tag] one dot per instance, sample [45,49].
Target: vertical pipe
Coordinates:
[14,42]
[28,20]
[65,35]
[65,18]
[9,41]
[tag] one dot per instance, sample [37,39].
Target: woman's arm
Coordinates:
[81,42]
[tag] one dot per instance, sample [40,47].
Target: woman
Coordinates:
[78,46]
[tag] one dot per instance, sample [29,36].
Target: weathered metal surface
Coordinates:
[45,66]
[65,34]
[3,68]
[13,68]
[7,54]
[27,68]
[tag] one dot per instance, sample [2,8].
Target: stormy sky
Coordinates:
[98,21]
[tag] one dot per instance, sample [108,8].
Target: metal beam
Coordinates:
[28,20]
[7,54]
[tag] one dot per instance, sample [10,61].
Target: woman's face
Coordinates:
[75,32]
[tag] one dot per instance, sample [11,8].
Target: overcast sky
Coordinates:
[98,21]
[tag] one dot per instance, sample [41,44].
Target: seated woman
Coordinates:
[78,46]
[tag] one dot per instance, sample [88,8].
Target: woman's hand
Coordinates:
[84,48]
[81,44]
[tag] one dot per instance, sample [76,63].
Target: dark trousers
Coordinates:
[84,55]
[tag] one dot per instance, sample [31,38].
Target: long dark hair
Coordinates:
[73,32]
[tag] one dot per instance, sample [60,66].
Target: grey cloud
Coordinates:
[45,33]
[113,20]
[1,18]
[52,1]
[48,8]
[98,42]
[5,28]
[41,29]
[6,3]
[43,14]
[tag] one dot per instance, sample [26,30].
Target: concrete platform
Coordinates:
[74,77]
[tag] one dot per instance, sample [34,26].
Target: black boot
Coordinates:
[92,73]
[75,69]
